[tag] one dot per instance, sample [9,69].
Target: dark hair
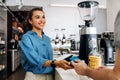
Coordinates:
[30,14]
[14,19]
[34,9]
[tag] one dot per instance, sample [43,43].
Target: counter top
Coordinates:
[61,74]
[70,74]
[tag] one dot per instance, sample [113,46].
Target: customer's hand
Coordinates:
[80,67]
[97,74]
[63,64]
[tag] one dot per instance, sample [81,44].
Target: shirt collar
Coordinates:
[32,32]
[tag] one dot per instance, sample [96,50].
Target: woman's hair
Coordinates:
[34,9]
[30,14]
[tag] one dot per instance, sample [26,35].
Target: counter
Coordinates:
[61,74]
[70,74]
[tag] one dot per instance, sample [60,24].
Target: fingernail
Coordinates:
[82,60]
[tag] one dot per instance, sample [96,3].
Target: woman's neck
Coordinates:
[39,32]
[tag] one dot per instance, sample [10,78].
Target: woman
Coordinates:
[37,54]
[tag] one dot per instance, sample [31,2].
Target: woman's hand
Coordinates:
[63,64]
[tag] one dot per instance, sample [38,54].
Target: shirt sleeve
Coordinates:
[117,31]
[30,53]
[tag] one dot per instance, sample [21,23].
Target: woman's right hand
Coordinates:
[63,64]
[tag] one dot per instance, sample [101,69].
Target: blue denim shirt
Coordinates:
[35,52]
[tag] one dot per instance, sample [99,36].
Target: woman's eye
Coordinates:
[37,17]
[43,17]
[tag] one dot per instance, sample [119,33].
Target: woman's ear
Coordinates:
[30,21]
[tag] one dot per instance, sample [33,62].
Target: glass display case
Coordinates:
[3,46]
[5,36]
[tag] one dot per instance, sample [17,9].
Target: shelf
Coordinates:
[75,51]
[3,54]
[71,5]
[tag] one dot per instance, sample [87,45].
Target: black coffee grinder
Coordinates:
[88,38]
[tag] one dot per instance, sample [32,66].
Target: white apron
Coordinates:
[31,76]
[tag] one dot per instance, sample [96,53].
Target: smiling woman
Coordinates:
[37,54]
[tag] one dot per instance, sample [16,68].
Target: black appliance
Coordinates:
[107,44]
[88,36]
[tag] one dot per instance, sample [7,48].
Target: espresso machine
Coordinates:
[88,36]
[107,45]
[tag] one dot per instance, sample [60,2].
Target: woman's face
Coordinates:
[38,20]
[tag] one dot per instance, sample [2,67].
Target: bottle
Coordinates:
[63,38]
[95,59]
[72,42]
[56,37]
[13,43]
